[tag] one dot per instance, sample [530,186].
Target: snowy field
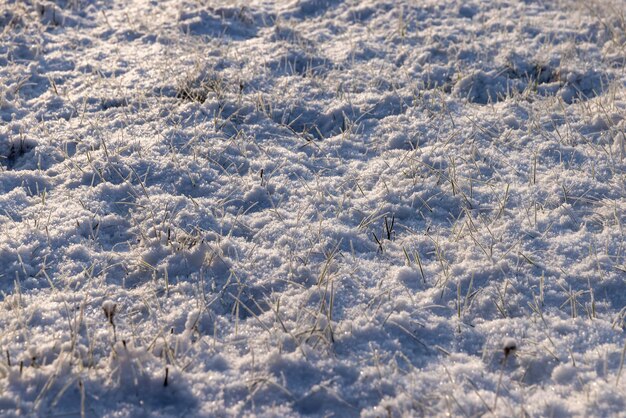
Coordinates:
[312,208]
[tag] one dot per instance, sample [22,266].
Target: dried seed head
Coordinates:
[509,346]
[108,306]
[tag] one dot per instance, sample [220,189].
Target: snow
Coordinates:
[312,208]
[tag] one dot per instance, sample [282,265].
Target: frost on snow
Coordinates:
[312,207]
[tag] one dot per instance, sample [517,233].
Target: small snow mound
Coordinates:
[257,195]
[192,319]
[196,256]
[399,140]
[582,85]
[564,374]
[599,123]
[409,276]
[482,88]
[511,121]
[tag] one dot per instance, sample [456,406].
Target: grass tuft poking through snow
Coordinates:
[312,208]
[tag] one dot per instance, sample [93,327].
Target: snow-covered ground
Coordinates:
[312,208]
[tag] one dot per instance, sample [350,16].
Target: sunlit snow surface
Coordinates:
[312,208]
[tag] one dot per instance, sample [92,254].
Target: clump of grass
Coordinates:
[197,87]
[109,307]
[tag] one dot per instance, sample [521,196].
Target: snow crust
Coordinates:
[312,208]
